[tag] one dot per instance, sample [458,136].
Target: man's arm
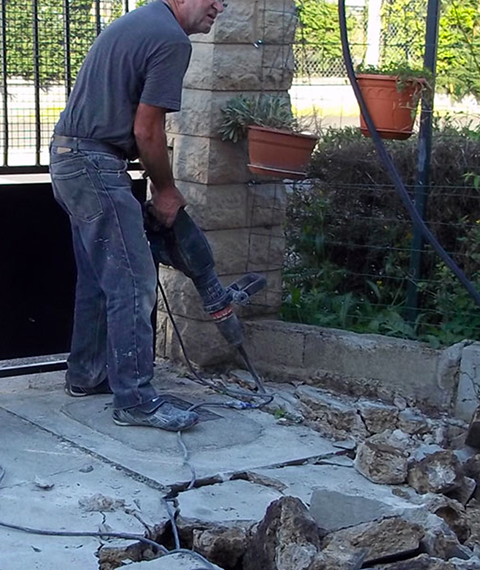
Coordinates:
[149,131]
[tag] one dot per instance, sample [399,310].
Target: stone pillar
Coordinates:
[248,51]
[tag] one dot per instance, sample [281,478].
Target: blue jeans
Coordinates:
[116,276]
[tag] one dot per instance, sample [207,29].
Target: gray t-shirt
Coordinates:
[140,58]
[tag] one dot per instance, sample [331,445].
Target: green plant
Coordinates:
[265,111]
[349,238]
[406,75]
[20,58]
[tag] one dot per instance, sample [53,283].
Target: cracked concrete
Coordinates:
[75,449]
[68,467]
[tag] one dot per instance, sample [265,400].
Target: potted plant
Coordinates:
[275,145]
[392,94]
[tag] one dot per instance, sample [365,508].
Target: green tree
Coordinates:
[458,63]
[458,59]
[403,38]
[20,53]
[318,35]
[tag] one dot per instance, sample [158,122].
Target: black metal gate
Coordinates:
[42,46]
[43,43]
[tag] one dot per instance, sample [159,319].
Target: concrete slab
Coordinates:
[338,496]
[227,502]
[231,442]
[31,457]
[73,446]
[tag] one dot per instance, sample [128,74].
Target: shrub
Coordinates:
[349,238]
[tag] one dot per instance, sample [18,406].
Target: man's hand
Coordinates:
[149,131]
[166,204]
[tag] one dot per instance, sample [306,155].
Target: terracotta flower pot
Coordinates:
[393,111]
[279,153]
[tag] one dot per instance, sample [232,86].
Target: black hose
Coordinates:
[391,170]
[124,535]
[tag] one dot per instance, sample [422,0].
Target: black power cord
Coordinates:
[388,163]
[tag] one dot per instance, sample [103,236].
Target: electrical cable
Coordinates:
[186,460]
[391,170]
[236,404]
[123,535]
[267,398]
[171,516]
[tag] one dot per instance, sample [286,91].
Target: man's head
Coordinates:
[196,16]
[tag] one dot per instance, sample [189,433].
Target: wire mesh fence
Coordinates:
[349,238]
[43,44]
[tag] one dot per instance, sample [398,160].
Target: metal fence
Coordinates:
[349,238]
[43,43]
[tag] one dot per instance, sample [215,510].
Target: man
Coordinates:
[131,77]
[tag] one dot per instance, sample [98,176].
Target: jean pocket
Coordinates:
[77,192]
[108,163]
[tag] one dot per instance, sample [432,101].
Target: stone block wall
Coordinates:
[248,51]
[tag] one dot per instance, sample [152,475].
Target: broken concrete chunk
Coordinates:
[382,458]
[378,417]
[471,467]
[473,433]
[43,484]
[473,519]
[286,538]
[286,406]
[452,512]
[422,562]
[434,471]
[347,444]
[441,542]
[471,564]
[245,378]
[331,415]
[389,537]
[334,510]
[413,422]
[100,503]
[223,545]
[224,503]
[399,402]
[464,492]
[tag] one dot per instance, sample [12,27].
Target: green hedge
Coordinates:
[349,238]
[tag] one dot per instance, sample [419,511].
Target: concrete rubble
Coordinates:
[316,482]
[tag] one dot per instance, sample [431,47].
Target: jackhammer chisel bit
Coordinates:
[185,247]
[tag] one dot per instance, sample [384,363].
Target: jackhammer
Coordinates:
[185,247]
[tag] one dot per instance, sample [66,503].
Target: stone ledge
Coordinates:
[360,365]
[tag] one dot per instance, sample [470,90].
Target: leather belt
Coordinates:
[77,143]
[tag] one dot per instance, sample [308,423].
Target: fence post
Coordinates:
[424,153]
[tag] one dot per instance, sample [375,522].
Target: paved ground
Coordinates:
[58,453]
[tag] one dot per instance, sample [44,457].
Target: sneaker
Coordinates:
[80,391]
[166,417]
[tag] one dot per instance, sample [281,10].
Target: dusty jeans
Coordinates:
[116,277]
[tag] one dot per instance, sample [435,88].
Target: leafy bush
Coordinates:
[349,238]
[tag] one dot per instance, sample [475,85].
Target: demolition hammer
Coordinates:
[185,247]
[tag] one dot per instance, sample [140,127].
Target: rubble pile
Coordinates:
[401,494]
